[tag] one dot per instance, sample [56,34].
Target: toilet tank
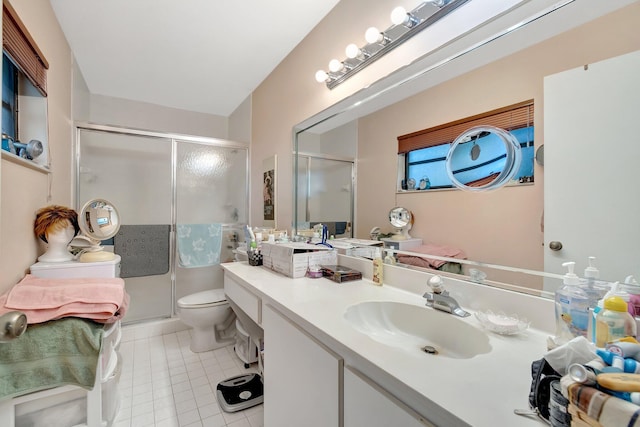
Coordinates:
[76,269]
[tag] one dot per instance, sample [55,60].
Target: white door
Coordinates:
[591,164]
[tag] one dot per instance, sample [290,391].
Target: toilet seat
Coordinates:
[210,298]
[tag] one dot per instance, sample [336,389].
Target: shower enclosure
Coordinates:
[158,181]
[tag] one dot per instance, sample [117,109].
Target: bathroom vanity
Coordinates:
[326,364]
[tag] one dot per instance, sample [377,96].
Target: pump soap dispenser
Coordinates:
[594,288]
[572,307]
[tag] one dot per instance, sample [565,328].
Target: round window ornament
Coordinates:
[483,158]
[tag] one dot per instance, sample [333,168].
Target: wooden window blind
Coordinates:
[20,46]
[509,118]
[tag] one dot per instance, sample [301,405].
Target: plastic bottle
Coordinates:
[633,289]
[614,322]
[377,268]
[594,289]
[614,291]
[389,258]
[572,307]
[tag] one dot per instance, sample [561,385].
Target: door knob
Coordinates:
[555,246]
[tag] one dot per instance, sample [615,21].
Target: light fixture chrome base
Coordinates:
[425,14]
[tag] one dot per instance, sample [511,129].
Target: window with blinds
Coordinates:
[24,94]
[18,44]
[423,153]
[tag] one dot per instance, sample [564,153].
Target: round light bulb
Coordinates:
[352,51]
[372,35]
[399,15]
[335,66]
[321,76]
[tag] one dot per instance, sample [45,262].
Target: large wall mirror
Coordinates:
[514,225]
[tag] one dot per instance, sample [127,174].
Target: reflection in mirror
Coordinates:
[323,182]
[98,220]
[501,227]
[476,153]
[483,158]
[402,220]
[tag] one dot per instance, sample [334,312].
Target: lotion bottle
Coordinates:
[378,270]
[614,322]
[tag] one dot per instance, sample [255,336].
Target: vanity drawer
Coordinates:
[243,298]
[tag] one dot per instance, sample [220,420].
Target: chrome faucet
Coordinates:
[440,299]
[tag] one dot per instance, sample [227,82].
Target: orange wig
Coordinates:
[54,218]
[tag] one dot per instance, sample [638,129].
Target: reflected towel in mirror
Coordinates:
[431,249]
[199,245]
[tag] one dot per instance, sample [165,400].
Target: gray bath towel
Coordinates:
[144,249]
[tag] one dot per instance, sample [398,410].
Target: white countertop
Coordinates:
[480,391]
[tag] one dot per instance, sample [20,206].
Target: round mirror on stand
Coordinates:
[402,220]
[483,158]
[98,220]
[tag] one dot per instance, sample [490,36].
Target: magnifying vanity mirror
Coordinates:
[98,220]
[483,158]
[402,220]
[513,226]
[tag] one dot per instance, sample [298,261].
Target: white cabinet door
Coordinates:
[301,376]
[367,405]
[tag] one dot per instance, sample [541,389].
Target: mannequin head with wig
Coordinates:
[57,226]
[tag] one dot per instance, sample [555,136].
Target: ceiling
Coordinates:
[197,55]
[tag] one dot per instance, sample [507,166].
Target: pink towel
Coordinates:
[102,300]
[437,250]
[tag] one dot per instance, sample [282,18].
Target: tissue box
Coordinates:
[293,259]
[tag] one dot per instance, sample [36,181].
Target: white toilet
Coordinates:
[211,318]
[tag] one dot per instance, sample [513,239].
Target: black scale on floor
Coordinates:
[240,392]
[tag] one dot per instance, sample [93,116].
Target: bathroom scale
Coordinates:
[240,392]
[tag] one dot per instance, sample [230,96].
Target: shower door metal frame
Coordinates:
[175,139]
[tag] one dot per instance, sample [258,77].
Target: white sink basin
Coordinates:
[413,327]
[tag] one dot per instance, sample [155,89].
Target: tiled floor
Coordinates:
[164,384]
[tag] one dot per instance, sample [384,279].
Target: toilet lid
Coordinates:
[212,296]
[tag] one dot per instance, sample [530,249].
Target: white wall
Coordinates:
[81,97]
[141,115]
[240,122]
[25,190]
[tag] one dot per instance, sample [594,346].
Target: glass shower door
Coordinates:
[211,191]
[134,173]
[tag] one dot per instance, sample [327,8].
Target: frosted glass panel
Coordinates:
[134,173]
[211,184]
[211,187]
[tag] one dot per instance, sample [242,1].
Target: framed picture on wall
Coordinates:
[269,191]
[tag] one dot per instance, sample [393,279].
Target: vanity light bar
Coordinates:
[379,43]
